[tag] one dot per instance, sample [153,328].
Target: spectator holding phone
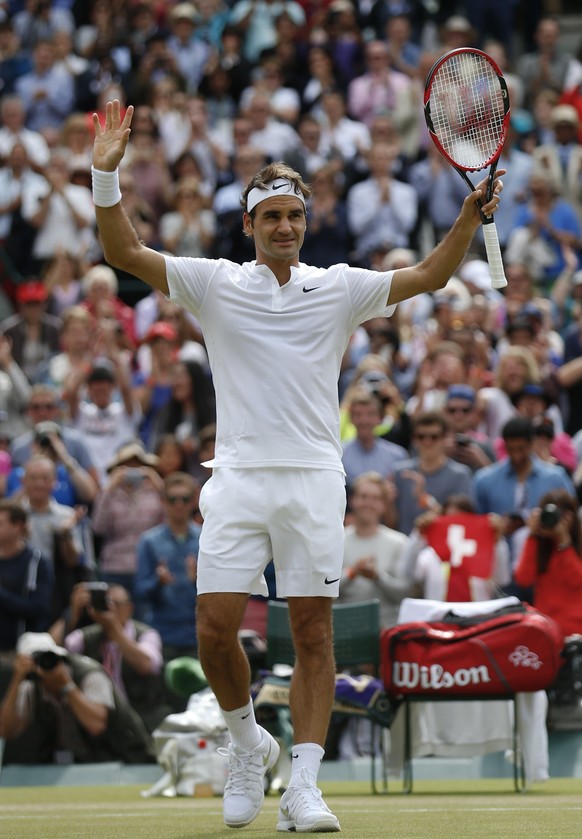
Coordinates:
[129,504]
[551,560]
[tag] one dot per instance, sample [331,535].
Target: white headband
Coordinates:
[280,186]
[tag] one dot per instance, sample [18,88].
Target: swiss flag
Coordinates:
[466,542]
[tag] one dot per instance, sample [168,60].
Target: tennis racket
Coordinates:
[466,108]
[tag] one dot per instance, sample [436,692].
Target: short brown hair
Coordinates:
[176,478]
[17,514]
[271,172]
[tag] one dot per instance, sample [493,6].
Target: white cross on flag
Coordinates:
[466,543]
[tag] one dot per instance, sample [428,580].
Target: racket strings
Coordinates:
[467,110]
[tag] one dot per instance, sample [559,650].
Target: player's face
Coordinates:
[278,229]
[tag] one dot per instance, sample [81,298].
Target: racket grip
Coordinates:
[494,256]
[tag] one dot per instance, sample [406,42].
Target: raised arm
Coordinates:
[121,245]
[437,268]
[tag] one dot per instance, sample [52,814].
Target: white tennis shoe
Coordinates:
[245,790]
[303,810]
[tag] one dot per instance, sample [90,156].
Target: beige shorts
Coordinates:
[293,516]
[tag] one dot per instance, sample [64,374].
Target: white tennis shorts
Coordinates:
[293,516]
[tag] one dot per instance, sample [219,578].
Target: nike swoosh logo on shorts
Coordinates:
[313,288]
[329,582]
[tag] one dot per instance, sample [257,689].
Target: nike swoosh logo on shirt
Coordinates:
[313,288]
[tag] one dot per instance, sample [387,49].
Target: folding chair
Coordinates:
[356,641]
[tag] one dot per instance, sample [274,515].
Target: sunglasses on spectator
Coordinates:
[174,499]
[455,409]
[428,436]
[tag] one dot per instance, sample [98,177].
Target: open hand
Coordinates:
[110,143]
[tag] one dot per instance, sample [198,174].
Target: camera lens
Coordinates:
[46,660]
[549,516]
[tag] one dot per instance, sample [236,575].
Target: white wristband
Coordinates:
[106,192]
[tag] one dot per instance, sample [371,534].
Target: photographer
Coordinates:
[130,651]
[551,560]
[69,708]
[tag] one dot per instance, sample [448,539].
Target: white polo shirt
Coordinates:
[275,353]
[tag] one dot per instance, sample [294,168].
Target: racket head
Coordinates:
[467,109]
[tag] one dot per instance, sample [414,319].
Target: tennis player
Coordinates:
[275,332]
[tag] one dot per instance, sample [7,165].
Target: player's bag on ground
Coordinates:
[514,649]
[565,694]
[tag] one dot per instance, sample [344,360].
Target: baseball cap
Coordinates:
[478,273]
[533,389]
[461,391]
[458,23]
[160,329]
[184,11]
[564,113]
[38,642]
[31,292]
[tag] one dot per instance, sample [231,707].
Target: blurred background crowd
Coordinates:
[466,403]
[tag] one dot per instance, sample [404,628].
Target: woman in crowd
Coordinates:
[190,408]
[551,560]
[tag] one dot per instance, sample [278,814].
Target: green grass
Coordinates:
[482,809]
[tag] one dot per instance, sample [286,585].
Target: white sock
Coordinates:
[306,756]
[242,726]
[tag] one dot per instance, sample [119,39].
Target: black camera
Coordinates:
[463,440]
[47,659]
[550,515]
[99,599]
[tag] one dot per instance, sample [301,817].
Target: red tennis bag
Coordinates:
[515,649]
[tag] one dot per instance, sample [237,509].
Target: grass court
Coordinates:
[481,809]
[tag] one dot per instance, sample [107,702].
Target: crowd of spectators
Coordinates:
[467,401]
